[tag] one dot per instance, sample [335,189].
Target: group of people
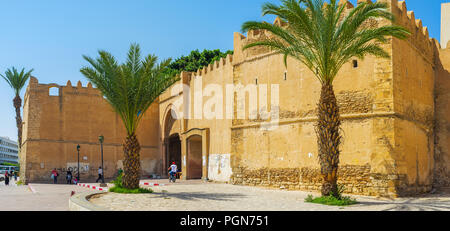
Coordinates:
[9,174]
[69,176]
[173,170]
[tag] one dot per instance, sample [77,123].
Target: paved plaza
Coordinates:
[46,197]
[199,196]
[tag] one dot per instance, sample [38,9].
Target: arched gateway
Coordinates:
[189,150]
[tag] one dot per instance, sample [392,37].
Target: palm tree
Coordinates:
[324,37]
[130,88]
[16,81]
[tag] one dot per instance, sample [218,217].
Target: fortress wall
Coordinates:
[54,125]
[287,156]
[214,80]
[442,122]
[207,87]
[413,91]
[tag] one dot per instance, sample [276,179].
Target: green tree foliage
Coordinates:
[196,60]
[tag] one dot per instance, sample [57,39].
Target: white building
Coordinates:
[8,151]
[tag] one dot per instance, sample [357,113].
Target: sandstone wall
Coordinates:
[54,125]
[442,122]
[387,107]
[205,88]
[413,84]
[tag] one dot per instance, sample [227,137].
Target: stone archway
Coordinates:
[171,141]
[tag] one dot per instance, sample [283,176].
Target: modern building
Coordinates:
[8,151]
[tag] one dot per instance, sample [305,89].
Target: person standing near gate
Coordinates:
[55,176]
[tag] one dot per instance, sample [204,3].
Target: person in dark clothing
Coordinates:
[69,176]
[6,178]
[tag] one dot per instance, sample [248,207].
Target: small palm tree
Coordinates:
[130,88]
[324,37]
[16,81]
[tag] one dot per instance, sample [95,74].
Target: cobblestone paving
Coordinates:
[195,196]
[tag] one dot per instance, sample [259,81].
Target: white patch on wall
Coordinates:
[204,160]
[219,168]
[84,167]
[184,160]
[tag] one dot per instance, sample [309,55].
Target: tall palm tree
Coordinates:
[130,88]
[16,81]
[324,37]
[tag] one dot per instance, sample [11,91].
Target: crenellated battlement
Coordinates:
[44,89]
[216,65]
[420,37]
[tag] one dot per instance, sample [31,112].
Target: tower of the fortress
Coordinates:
[445,24]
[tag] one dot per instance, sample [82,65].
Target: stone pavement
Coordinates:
[198,196]
[48,197]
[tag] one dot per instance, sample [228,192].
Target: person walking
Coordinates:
[69,176]
[15,175]
[55,175]
[6,178]
[100,174]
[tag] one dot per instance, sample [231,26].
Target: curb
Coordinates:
[93,187]
[80,202]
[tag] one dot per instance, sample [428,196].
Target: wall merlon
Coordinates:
[425,32]
[279,22]
[69,84]
[229,59]
[411,16]
[402,6]
[363,1]
[79,85]
[348,4]
[419,23]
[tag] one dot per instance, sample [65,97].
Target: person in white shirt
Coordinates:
[173,171]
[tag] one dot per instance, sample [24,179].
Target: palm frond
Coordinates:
[324,37]
[130,87]
[15,79]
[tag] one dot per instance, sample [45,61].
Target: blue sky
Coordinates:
[52,35]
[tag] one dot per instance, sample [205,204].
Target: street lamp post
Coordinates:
[78,169]
[101,139]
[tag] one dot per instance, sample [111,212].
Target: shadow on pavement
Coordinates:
[200,195]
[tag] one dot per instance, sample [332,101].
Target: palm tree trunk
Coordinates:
[328,139]
[17,104]
[131,163]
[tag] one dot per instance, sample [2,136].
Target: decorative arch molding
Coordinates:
[168,120]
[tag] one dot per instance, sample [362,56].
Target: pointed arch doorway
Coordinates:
[172,142]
